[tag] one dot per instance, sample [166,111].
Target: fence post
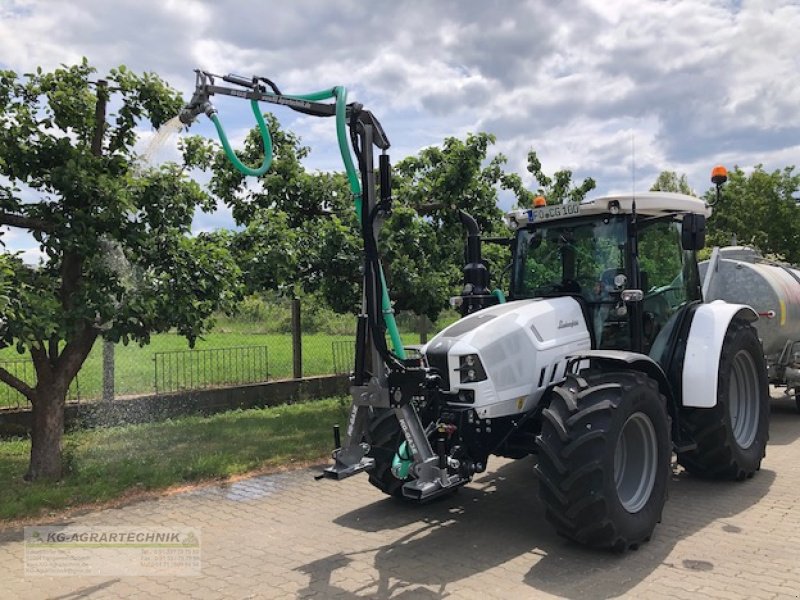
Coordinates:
[297,343]
[108,371]
[422,326]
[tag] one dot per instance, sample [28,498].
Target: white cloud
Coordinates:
[695,82]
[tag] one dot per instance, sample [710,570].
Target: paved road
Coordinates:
[286,536]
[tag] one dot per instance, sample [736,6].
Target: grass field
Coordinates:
[134,365]
[104,464]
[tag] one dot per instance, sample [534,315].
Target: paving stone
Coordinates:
[287,536]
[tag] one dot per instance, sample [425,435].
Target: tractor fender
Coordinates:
[703,350]
[627,360]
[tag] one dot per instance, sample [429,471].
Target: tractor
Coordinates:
[602,360]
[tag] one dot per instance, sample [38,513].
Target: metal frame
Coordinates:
[381,380]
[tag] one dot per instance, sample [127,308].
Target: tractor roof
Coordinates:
[647,203]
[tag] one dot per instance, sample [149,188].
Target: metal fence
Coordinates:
[22,369]
[234,353]
[205,368]
[343,353]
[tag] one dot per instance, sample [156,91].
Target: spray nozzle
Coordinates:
[199,102]
[197,105]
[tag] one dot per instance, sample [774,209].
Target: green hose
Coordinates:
[340,93]
[344,150]
[501,297]
[401,463]
[265,136]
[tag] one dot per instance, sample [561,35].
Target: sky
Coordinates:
[618,90]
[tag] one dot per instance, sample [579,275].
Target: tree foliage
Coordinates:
[760,209]
[670,181]
[117,257]
[300,233]
[425,246]
[559,188]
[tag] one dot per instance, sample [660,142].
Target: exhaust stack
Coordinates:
[475,294]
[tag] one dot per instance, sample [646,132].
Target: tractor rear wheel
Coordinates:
[384,438]
[732,436]
[604,458]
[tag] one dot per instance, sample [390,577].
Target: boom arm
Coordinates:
[365,131]
[382,379]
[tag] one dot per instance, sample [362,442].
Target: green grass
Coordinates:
[103,464]
[134,365]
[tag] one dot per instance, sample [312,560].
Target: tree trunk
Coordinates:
[48,429]
[48,399]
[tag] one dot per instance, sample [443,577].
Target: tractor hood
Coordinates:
[521,345]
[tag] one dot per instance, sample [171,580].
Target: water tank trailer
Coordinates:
[742,274]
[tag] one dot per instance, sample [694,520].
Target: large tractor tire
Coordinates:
[732,436]
[604,459]
[384,438]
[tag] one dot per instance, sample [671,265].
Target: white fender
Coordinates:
[704,348]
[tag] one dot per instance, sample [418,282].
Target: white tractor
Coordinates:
[603,362]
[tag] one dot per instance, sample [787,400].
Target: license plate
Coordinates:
[556,211]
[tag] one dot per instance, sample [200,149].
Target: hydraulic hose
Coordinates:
[340,94]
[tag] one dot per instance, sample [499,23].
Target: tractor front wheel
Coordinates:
[604,458]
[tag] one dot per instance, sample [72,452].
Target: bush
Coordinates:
[252,309]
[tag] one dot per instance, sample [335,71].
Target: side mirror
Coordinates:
[693,232]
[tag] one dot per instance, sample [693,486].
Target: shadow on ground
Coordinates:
[784,426]
[499,518]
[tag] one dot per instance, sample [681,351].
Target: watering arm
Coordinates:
[362,124]
[382,379]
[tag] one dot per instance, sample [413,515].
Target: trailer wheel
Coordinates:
[385,437]
[604,458]
[732,436]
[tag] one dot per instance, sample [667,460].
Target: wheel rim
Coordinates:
[743,399]
[636,462]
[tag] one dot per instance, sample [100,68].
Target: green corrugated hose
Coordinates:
[401,463]
[501,297]
[265,137]
[340,94]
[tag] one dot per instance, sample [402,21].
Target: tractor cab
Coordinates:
[629,261]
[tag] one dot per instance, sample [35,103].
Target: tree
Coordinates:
[759,209]
[300,231]
[7,311]
[559,188]
[118,260]
[670,181]
[425,247]
[299,227]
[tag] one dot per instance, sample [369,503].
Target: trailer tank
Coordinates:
[772,289]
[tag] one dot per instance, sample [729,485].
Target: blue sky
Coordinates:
[691,83]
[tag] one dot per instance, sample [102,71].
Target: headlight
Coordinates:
[471,369]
